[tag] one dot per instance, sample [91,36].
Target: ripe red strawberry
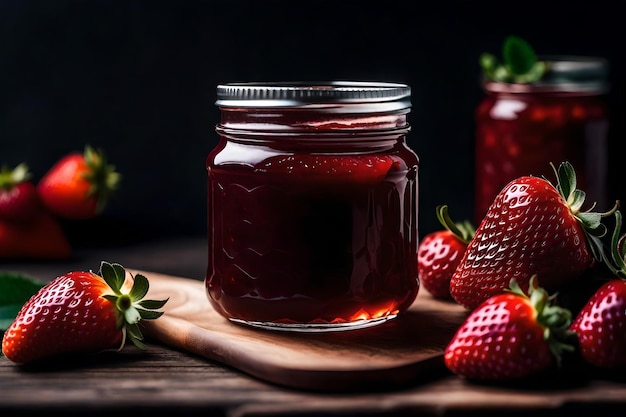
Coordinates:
[601,323]
[532,227]
[509,336]
[440,252]
[19,201]
[41,237]
[81,312]
[320,169]
[79,185]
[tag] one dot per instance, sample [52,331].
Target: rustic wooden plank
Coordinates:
[166,380]
[163,379]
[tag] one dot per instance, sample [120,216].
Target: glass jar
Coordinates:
[522,128]
[312,205]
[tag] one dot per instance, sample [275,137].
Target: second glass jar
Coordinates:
[312,205]
[522,128]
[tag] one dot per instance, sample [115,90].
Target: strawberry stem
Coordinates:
[575,198]
[131,306]
[11,177]
[554,319]
[464,231]
[103,177]
[617,262]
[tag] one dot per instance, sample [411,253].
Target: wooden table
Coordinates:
[167,380]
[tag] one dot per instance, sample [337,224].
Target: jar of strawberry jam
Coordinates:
[312,205]
[522,128]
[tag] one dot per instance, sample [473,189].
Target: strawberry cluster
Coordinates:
[534,238]
[76,187]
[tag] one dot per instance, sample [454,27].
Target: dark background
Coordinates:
[137,79]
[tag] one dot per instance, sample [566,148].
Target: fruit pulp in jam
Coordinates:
[520,135]
[312,238]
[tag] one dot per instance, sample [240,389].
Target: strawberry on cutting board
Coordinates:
[532,227]
[601,323]
[41,237]
[81,312]
[509,336]
[79,185]
[440,252]
[19,201]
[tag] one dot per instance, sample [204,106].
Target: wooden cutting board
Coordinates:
[408,349]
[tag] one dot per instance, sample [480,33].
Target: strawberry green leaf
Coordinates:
[114,275]
[140,287]
[566,180]
[149,315]
[464,231]
[10,177]
[518,55]
[616,262]
[7,315]
[102,176]
[152,304]
[520,63]
[15,290]
[130,306]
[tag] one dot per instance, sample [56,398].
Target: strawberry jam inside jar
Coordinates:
[312,206]
[522,128]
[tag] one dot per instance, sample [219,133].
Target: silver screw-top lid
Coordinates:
[573,74]
[371,96]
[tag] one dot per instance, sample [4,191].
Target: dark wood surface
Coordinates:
[400,351]
[167,379]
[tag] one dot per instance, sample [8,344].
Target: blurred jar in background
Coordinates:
[522,128]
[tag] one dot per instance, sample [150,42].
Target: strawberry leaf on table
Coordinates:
[15,290]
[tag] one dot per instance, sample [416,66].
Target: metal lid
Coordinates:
[371,96]
[569,74]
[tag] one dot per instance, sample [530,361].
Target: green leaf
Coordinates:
[464,231]
[149,314]
[518,55]
[15,290]
[140,287]
[114,275]
[153,304]
[489,63]
[7,315]
[519,65]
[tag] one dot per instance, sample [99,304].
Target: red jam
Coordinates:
[312,211]
[522,129]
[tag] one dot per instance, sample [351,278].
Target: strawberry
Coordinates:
[41,237]
[532,227]
[509,336]
[79,185]
[19,201]
[440,252]
[328,169]
[601,323]
[81,312]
